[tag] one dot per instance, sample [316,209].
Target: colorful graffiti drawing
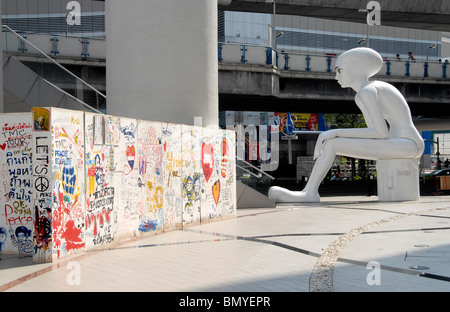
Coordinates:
[191,191]
[22,239]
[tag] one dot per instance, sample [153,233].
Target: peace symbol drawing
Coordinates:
[41,184]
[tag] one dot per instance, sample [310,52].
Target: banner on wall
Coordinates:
[302,122]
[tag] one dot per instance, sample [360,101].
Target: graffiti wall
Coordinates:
[16,203]
[68,182]
[171,135]
[227,167]
[99,162]
[191,174]
[75,181]
[42,186]
[218,166]
[150,160]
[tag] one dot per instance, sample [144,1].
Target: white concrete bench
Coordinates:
[398,179]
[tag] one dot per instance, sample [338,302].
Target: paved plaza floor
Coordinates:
[343,244]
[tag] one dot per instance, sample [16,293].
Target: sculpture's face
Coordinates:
[357,65]
[343,75]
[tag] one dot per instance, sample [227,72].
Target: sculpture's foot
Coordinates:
[282,195]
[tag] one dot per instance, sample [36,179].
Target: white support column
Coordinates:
[1,67]
[162,60]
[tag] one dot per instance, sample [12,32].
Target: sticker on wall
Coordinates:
[41,119]
[131,155]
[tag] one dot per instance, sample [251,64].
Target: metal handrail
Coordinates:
[248,171]
[74,98]
[54,62]
[254,167]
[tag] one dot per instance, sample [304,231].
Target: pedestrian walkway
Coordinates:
[349,243]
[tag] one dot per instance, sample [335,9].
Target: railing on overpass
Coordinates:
[50,70]
[322,63]
[67,47]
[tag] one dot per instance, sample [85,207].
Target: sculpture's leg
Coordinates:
[311,191]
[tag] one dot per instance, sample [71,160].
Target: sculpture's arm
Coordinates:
[367,101]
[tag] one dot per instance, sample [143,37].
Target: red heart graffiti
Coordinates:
[3,146]
[207,160]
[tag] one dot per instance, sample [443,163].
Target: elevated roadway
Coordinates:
[253,79]
[256,78]
[427,15]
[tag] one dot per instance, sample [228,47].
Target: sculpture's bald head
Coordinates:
[356,66]
[361,61]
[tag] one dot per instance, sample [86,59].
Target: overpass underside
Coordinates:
[428,15]
[278,91]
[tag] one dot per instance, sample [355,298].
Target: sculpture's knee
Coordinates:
[330,146]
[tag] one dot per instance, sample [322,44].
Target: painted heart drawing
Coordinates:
[131,153]
[224,157]
[207,160]
[3,146]
[216,191]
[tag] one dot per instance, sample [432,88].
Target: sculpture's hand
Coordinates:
[321,140]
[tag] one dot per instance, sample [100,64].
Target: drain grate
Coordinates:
[427,256]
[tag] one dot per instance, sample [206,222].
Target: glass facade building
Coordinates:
[300,34]
[49,17]
[320,36]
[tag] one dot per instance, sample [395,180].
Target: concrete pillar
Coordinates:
[1,67]
[162,60]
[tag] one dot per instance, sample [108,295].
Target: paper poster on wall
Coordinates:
[99,130]
[112,130]
[41,119]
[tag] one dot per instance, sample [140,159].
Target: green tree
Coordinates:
[347,121]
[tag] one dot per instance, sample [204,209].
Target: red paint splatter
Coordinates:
[72,236]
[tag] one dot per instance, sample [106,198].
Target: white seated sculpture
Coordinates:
[390,137]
